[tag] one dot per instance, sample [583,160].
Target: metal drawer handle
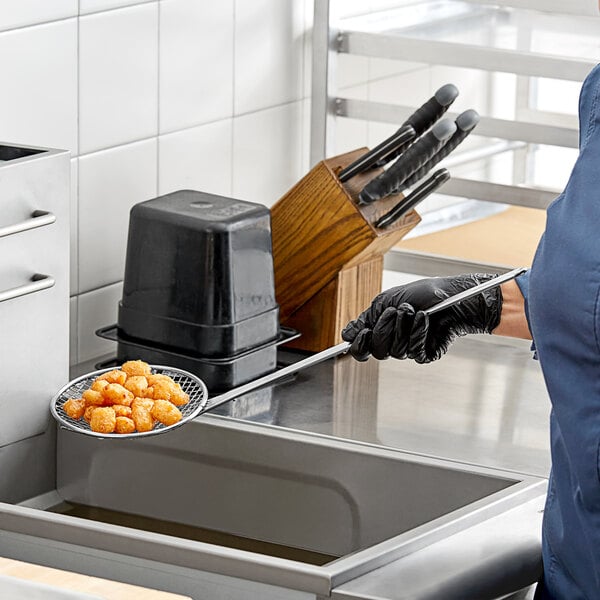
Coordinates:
[38,282]
[38,218]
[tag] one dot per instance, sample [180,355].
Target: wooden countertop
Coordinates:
[110,590]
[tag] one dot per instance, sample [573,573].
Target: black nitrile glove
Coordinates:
[394,325]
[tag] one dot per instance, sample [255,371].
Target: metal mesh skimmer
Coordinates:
[192,385]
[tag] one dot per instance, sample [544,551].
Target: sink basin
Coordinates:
[230,501]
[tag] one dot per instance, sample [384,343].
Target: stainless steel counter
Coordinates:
[485,402]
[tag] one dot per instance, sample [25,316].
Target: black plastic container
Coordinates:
[199,275]
[219,374]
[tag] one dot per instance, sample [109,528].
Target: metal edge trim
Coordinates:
[362,562]
[157,547]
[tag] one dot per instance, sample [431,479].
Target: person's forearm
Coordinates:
[513,322]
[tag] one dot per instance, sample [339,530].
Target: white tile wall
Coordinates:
[38,104]
[307,61]
[305,165]
[267,153]
[20,13]
[74,257]
[152,96]
[118,77]
[95,310]
[196,83]
[110,183]
[198,159]
[269,51]
[73,316]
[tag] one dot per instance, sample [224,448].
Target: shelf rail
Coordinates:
[457,54]
[525,131]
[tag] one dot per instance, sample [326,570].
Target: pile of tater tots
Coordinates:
[128,400]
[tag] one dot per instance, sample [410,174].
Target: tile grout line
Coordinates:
[74,16]
[158,104]
[97,289]
[233,115]
[183,129]
[77,349]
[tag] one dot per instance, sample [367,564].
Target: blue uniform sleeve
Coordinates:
[523,283]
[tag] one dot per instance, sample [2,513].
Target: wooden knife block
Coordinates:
[327,255]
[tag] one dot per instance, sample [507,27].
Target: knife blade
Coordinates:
[425,116]
[415,197]
[465,123]
[396,142]
[418,154]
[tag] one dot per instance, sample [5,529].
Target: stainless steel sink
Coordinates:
[220,502]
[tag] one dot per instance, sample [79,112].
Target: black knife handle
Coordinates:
[465,123]
[415,197]
[425,116]
[413,159]
[399,140]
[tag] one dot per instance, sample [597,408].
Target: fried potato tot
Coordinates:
[165,412]
[148,393]
[99,385]
[169,390]
[124,425]
[115,393]
[121,410]
[142,418]
[154,377]
[93,398]
[163,389]
[74,407]
[136,384]
[179,397]
[103,420]
[164,384]
[87,415]
[136,367]
[146,403]
[114,376]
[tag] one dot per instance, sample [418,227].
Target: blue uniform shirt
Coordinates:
[562,293]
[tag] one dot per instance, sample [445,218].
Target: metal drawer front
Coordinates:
[28,355]
[34,309]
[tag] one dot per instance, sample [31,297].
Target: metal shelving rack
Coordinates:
[528,38]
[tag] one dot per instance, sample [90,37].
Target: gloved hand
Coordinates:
[394,325]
